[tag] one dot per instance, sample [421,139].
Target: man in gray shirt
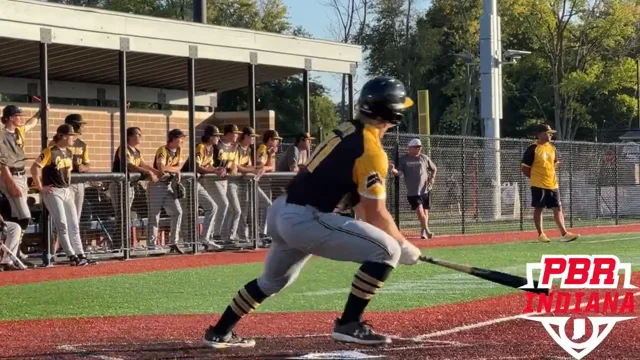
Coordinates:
[296,155]
[419,174]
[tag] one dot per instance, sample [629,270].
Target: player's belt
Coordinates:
[16,171]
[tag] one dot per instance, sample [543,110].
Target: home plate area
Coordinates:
[514,339]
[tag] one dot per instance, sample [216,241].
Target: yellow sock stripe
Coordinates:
[370,279]
[249,299]
[236,309]
[361,294]
[242,304]
[363,286]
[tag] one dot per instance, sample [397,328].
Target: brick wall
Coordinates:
[102,133]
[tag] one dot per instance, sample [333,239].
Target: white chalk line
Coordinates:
[609,240]
[76,349]
[496,321]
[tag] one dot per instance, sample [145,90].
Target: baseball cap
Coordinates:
[74,119]
[65,129]
[305,136]
[212,130]
[11,110]
[541,128]
[175,133]
[231,128]
[248,131]
[270,134]
[415,142]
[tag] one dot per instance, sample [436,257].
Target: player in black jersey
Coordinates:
[302,222]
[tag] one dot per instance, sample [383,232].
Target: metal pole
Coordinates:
[638,89]
[463,206]
[468,104]
[122,67]
[570,184]
[351,105]
[45,222]
[251,101]
[521,189]
[200,11]
[191,80]
[396,184]
[615,157]
[491,103]
[306,96]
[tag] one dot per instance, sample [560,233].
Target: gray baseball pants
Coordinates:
[117,198]
[19,207]
[210,211]
[218,191]
[263,201]
[78,196]
[161,196]
[11,239]
[301,231]
[62,209]
[232,219]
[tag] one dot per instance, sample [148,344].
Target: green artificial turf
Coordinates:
[323,285]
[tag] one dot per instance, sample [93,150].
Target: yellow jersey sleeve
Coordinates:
[370,169]
[161,156]
[85,155]
[262,157]
[44,158]
[201,154]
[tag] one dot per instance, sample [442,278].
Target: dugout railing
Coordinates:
[599,185]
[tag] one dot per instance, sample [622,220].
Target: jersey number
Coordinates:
[328,145]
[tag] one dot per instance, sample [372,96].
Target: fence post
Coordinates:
[521,189]
[600,165]
[571,184]
[615,157]
[463,206]
[396,184]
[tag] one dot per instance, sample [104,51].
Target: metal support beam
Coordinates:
[126,234]
[351,91]
[44,142]
[191,70]
[200,11]
[306,97]
[251,102]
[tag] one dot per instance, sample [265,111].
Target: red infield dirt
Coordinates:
[481,329]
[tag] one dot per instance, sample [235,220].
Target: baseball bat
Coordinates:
[498,277]
[13,257]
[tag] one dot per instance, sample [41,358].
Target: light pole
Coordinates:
[468,60]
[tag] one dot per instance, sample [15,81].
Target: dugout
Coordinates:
[54,50]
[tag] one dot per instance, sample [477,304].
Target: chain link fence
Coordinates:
[480,188]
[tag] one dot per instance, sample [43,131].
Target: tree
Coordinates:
[324,116]
[576,38]
[350,20]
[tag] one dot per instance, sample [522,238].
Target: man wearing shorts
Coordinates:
[419,174]
[302,222]
[539,164]
[13,178]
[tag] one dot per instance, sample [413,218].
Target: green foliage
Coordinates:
[324,116]
[581,74]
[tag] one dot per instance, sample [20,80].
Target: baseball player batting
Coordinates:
[302,222]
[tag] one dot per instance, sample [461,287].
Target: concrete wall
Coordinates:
[102,133]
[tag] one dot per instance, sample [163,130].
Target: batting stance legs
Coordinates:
[327,235]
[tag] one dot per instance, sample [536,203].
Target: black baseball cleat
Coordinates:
[213,340]
[176,248]
[81,260]
[358,332]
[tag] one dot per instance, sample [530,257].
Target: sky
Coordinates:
[316,18]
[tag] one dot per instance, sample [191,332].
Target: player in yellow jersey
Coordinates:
[302,222]
[539,164]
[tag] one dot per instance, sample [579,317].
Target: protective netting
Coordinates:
[480,188]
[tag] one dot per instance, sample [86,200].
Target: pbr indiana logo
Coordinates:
[588,301]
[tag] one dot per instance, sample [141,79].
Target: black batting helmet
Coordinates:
[384,98]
